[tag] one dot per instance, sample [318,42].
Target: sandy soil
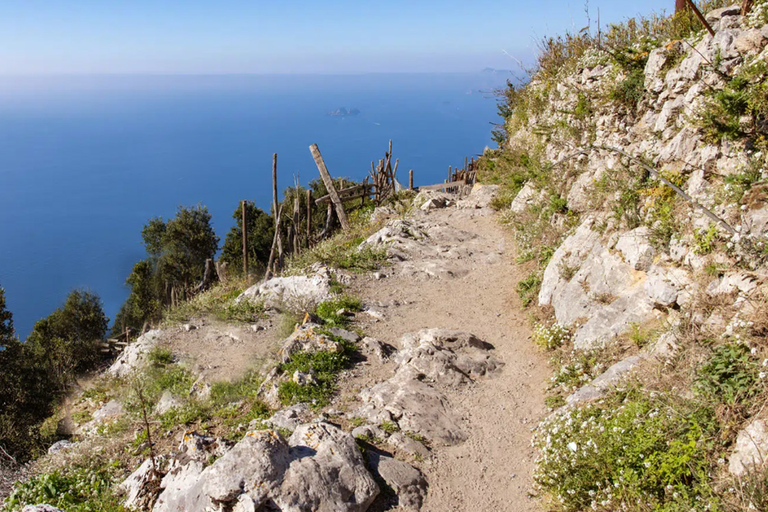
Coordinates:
[492,470]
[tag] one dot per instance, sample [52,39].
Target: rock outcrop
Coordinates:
[319,468]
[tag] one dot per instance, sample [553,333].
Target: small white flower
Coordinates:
[573,446]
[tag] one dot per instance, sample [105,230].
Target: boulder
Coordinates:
[109,411]
[481,196]
[369,432]
[134,354]
[751,448]
[167,402]
[406,481]
[716,15]
[376,348]
[395,233]
[523,198]
[430,200]
[290,417]
[636,248]
[298,293]
[60,446]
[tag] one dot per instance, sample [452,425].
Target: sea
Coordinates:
[86,161]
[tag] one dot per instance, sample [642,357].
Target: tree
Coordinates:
[260,229]
[7,333]
[26,396]
[177,251]
[67,339]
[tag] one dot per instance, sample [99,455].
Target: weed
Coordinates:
[730,375]
[389,427]
[705,241]
[645,451]
[528,288]
[554,401]
[567,271]
[324,366]
[551,337]
[334,312]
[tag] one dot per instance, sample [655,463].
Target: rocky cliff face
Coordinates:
[635,170]
[630,248]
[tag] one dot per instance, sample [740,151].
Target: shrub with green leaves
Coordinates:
[528,288]
[630,451]
[730,375]
[323,366]
[551,337]
[77,489]
[329,310]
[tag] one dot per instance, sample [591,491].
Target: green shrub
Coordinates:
[630,451]
[629,91]
[705,240]
[730,375]
[528,288]
[551,337]
[324,366]
[76,489]
[328,310]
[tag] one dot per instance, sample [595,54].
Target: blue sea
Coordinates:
[85,161]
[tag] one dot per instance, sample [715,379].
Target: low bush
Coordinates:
[630,451]
[332,312]
[324,368]
[76,489]
[551,337]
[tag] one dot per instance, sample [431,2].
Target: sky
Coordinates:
[286,36]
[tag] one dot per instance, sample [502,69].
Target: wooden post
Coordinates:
[680,5]
[268,273]
[340,213]
[701,17]
[450,174]
[410,179]
[465,164]
[309,217]
[274,209]
[296,210]
[245,238]
[746,6]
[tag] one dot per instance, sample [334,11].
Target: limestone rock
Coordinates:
[408,445]
[732,283]
[751,448]
[611,377]
[396,233]
[307,339]
[433,200]
[636,248]
[369,432]
[379,349]
[60,446]
[298,293]
[290,417]
[716,15]
[109,411]
[523,198]
[41,508]
[408,482]
[134,354]
[428,359]
[167,402]
[480,196]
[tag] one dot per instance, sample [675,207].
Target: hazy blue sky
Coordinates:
[285,36]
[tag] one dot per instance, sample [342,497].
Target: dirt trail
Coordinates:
[474,291]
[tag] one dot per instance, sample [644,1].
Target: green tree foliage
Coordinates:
[261,229]
[177,250]
[35,373]
[67,340]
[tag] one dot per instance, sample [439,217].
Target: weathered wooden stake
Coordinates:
[701,17]
[309,218]
[410,179]
[340,213]
[465,164]
[296,209]
[268,273]
[245,238]
[274,209]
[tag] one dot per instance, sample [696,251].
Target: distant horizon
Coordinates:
[45,37]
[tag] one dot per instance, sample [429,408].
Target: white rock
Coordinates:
[523,198]
[298,293]
[751,448]
[636,248]
[134,354]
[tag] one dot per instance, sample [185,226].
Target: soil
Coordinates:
[492,470]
